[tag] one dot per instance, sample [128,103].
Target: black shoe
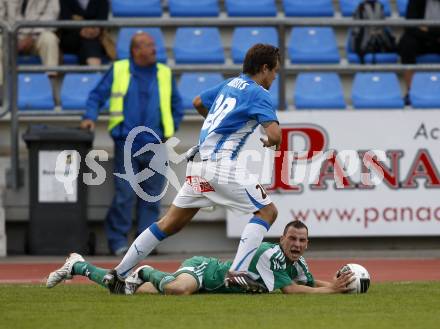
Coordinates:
[244,281]
[114,283]
[407,100]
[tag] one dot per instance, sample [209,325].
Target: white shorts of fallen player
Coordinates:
[224,183]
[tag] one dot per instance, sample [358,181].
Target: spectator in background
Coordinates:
[33,41]
[142,92]
[91,44]
[420,40]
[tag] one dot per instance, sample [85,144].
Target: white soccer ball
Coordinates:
[361,281]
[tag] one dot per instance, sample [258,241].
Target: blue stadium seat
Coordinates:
[425,90]
[274,90]
[245,37]
[376,90]
[308,8]
[76,88]
[318,91]
[187,8]
[315,45]
[428,59]
[401,7]
[192,84]
[70,59]
[198,45]
[36,60]
[136,8]
[28,60]
[34,92]
[124,37]
[349,6]
[368,58]
[251,8]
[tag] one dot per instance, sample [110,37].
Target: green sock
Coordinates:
[157,278]
[94,273]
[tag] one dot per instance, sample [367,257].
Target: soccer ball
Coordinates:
[361,276]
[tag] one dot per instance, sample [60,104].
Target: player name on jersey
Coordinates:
[238,83]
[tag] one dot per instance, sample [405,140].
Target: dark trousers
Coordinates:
[410,47]
[72,43]
[119,216]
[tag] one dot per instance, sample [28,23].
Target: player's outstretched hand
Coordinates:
[87,124]
[267,143]
[340,283]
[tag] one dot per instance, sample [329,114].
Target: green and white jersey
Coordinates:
[269,265]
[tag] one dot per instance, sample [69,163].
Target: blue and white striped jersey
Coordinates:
[237,106]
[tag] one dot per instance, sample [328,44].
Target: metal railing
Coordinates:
[279,23]
[4,27]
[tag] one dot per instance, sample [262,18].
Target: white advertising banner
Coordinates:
[355,173]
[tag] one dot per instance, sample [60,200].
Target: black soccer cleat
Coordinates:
[244,281]
[114,283]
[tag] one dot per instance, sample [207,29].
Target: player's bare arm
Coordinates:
[200,108]
[273,132]
[321,283]
[339,285]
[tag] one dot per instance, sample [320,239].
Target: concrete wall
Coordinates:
[2,226]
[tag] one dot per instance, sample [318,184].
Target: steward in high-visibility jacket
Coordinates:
[139,96]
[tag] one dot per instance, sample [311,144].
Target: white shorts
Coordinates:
[210,183]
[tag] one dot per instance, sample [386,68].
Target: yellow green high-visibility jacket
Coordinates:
[121,81]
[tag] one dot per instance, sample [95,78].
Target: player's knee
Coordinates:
[269,213]
[185,292]
[177,290]
[272,213]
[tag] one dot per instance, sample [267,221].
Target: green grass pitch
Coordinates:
[387,305]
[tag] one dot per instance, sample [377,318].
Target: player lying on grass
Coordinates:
[275,265]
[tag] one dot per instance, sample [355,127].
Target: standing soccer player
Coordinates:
[232,110]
